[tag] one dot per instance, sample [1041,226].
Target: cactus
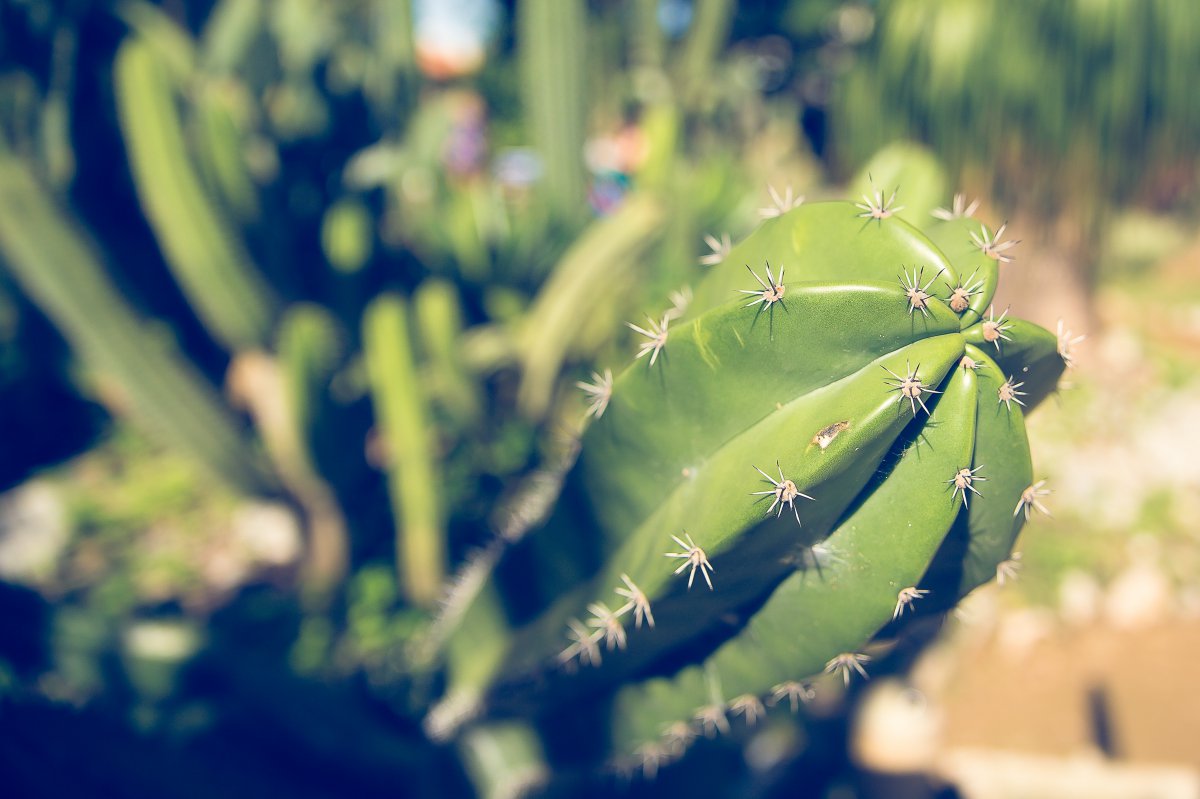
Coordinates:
[204,254]
[551,35]
[143,375]
[401,408]
[816,445]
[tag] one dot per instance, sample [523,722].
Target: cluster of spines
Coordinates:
[606,625]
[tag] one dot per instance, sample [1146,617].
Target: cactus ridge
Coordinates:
[882,547]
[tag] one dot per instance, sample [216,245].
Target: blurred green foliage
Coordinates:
[1062,108]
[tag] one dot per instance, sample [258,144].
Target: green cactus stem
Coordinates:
[140,372]
[553,51]
[402,418]
[204,255]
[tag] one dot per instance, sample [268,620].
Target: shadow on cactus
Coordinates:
[826,444]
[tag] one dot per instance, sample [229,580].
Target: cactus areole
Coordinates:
[824,445]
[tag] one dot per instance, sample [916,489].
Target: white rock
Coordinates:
[267,532]
[897,729]
[33,532]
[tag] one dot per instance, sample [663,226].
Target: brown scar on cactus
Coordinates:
[693,556]
[918,295]
[994,327]
[910,387]
[785,492]
[827,434]
[963,481]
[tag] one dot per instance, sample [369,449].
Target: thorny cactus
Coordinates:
[828,440]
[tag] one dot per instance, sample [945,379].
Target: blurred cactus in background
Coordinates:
[493,464]
[1087,109]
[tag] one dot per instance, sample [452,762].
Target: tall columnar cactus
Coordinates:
[205,256]
[140,369]
[553,49]
[401,408]
[829,440]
